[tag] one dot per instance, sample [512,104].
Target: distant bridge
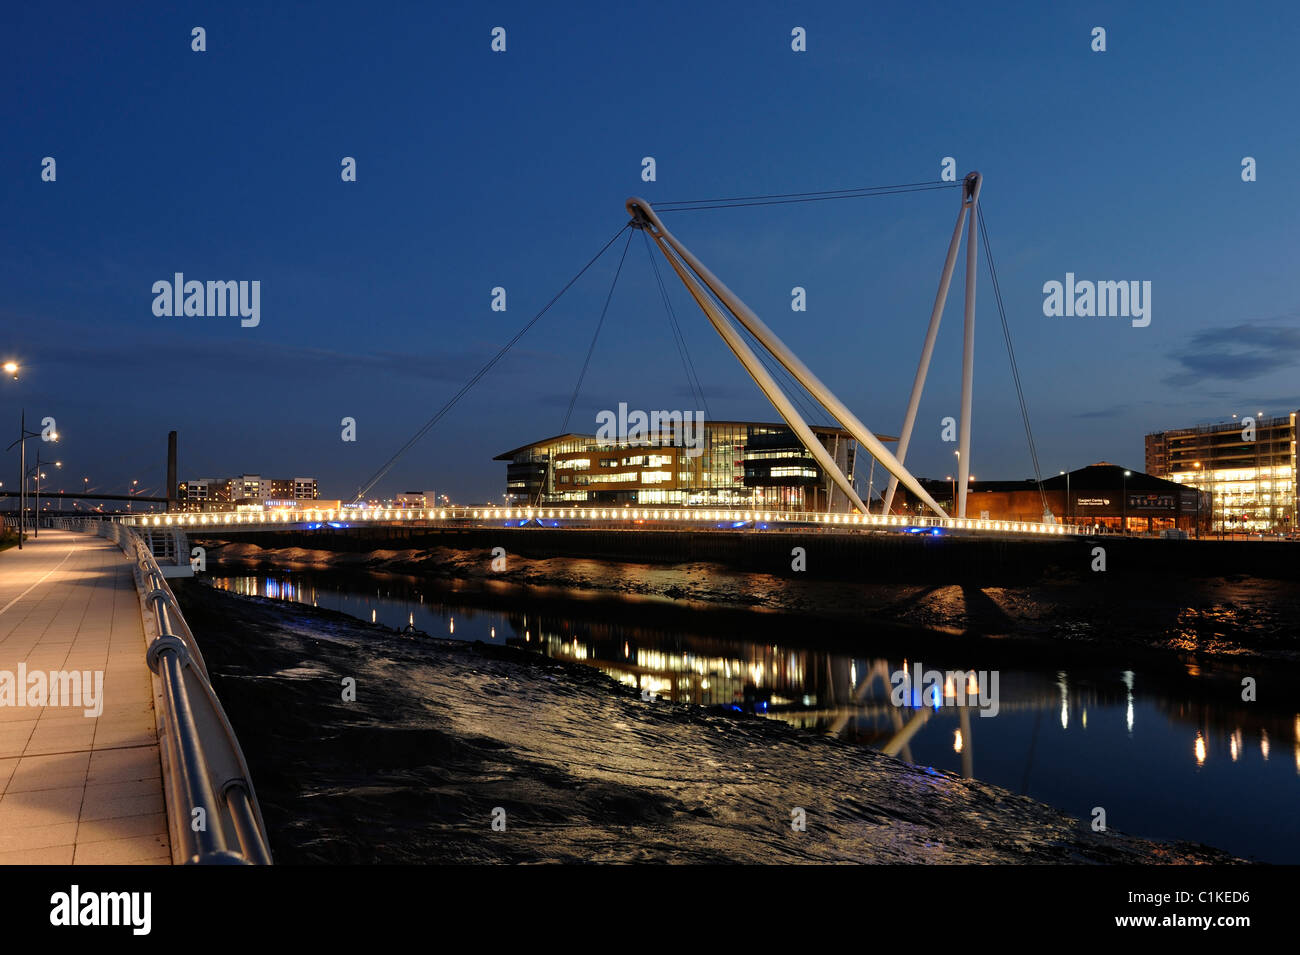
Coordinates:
[81,496]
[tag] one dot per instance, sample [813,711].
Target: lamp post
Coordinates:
[11,369]
[37,473]
[1124,501]
[1067,496]
[1197,465]
[954,482]
[23,435]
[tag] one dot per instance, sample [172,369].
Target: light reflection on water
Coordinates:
[1167,756]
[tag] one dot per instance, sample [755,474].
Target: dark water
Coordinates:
[1166,747]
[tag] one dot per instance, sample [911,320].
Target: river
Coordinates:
[1163,744]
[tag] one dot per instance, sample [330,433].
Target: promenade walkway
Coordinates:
[76,789]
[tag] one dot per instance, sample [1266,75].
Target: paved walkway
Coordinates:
[76,789]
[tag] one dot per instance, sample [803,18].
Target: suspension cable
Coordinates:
[813,412]
[564,428]
[679,338]
[378,476]
[1011,354]
[809,407]
[777,199]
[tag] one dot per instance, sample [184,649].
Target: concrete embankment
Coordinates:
[999,561]
[1154,594]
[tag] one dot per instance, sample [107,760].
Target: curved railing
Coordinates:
[212,810]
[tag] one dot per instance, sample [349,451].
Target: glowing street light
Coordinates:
[1124,502]
[11,368]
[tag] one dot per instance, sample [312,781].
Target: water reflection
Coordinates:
[1171,752]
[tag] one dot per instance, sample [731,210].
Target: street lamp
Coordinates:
[1067,495]
[11,368]
[1124,502]
[1197,465]
[954,490]
[39,475]
[954,482]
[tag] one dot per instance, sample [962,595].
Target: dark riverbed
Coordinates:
[1147,608]
[444,732]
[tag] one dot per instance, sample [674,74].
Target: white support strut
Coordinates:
[972,191]
[765,381]
[927,350]
[644,216]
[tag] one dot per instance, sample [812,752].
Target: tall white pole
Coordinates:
[973,183]
[22,477]
[918,384]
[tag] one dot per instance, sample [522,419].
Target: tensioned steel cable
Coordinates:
[867,192]
[679,338]
[811,410]
[564,428]
[378,476]
[1011,354]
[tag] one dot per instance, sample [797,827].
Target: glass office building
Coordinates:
[1247,465]
[732,464]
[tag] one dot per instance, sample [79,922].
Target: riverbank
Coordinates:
[1215,616]
[443,733]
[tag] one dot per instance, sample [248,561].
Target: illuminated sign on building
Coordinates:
[1151,502]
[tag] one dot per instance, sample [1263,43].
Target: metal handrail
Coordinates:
[630,517]
[212,808]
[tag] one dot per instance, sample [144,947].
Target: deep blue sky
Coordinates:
[478,169]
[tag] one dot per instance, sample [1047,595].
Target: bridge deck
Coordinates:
[76,788]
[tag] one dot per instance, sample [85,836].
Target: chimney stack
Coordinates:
[171,470]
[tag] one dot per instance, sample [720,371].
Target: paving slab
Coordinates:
[76,788]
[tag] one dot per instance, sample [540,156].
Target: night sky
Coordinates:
[478,169]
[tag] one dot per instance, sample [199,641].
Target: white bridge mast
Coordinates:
[970,196]
[684,263]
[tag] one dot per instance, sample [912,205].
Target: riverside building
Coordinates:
[737,464]
[223,494]
[1103,496]
[1248,466]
